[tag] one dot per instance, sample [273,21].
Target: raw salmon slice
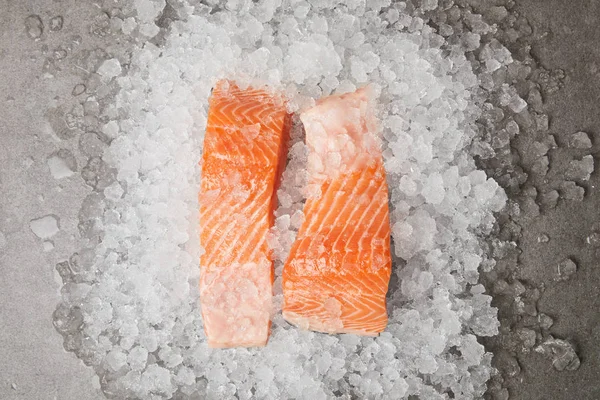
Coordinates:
[244,150]
[336,277]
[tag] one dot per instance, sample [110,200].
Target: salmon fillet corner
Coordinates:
[244,150]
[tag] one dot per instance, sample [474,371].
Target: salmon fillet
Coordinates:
[336,277]
[244,149]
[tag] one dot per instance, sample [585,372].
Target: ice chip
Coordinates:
[359,71]
[570,191]
[517,104]
[45,227]
[128,25]
[566,269]
[111,129]
[62,164]
[297,219]
[148,10]
[580,170]
[110,69]
[429,5]
[283,222]
[34,26]
[116,360]
[433,189]
[580,140]
[561,352]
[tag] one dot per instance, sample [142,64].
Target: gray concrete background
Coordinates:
[567,38]
[33,363]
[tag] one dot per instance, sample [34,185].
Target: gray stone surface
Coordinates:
[34,364]
[568,40]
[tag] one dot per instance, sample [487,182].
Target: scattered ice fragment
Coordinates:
[116,360]
[60,54]
[570,191]
[542,122]
[64,270]
[76,40]
[93,82]
[509,97]
[45,227]
[408,186]
[265,374]
[580,170]
[512,128]
[527,337]
[186,376]
[149,30]
[507,363]
[283,222]
[90,144]
[580,140]
[137,358]
[148,10]
[62,164]
[549,199]
[565,269]
[545,321]
[157,379]
[56,23]
[301,10]
[543,238]
[48,245]
[296,219]
[496,13]
[429,4]
[535,100]
[501,287]
[100,25]
[114,191]
[492,64]
[128,25]
[471,41]
[34,26]
[593,239]
[540,149]
[91,107]
[530,191]
[540,166]
[433,189]
[110,68]
[562,353]
[111,129]
[445,30]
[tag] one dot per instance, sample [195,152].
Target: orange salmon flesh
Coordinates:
[244,150]
[337,274]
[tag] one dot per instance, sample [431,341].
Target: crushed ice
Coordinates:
[130,296]
[45,227]
[62,164]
